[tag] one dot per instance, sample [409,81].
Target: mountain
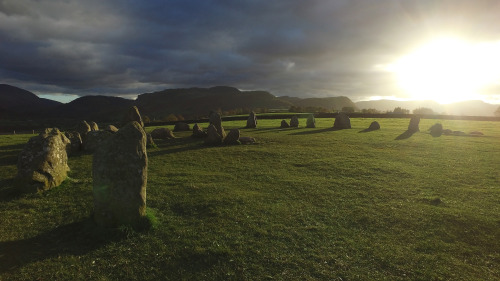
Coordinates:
[16,102]
[465,108]
[199,101]
[330,103]
[95,108]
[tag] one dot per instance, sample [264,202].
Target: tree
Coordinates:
[369,111]
[497,112]
[423,110]
[401,110]
[348,109]
[170,118]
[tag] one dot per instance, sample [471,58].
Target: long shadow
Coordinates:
[12,147]
[367,130]
[8,192]
[77,238]
[406,135]
[310,132]
[195,144]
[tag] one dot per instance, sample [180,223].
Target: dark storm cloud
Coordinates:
[307,48]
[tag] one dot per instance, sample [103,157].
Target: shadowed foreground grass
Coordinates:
[301,204]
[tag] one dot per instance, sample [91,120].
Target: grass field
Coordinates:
[301,204]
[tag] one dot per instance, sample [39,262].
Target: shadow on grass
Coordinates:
[367,130]
[77,238]
[8,192]
[406,135]
[310,132]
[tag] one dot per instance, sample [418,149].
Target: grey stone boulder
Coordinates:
[162,133]
[181,126]
[342,121]
[311,122]
[374,126]
[111,128]
[95,139]
[252,120]
[43,163]
[232,137]
[284,124]
[436,130]
[213,137]
[247,140]
[294,122]
[198,132]
[119,172]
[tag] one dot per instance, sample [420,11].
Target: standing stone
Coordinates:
[213,137]
[294,122]
[436,130]
[119,171]
[181,126]
[133,115]
[111,128]
[216,120]
[162,133]
[95,139]
[232,137]
[374,126]
[413,126]
[93,126]
[252,120]
[149,141]
[342,121]
[83,128]
[198,132]
[43,163]
[75,140]
[311,122]
[284,124]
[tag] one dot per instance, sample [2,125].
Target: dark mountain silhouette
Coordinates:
[465,108]
[95,108]
[16,102]
[195,102]
[330,103]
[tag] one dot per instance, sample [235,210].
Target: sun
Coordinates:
[448,70]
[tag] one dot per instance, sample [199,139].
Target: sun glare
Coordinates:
[448,70]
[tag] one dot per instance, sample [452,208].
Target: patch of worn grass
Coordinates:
[299,204]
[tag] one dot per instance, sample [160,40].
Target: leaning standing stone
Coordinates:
[252,120]
[93,126]
[413,126]
[216,120]
[213,137]
[43,163]
[83,128]
[311,122]
[294,122]
[76,141]
[342,121]
[119,172]
[133,115]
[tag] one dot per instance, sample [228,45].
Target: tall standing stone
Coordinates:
[43,163]
[252,120]
[311,122]
[294,122]
[133,115]
[216,120]
[119,171]
[232,137]
[342,121]
[93,126]
[413,126]
[83,128]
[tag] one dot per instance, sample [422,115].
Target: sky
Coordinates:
[64,49]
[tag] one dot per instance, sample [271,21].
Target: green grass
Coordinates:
[301,204]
